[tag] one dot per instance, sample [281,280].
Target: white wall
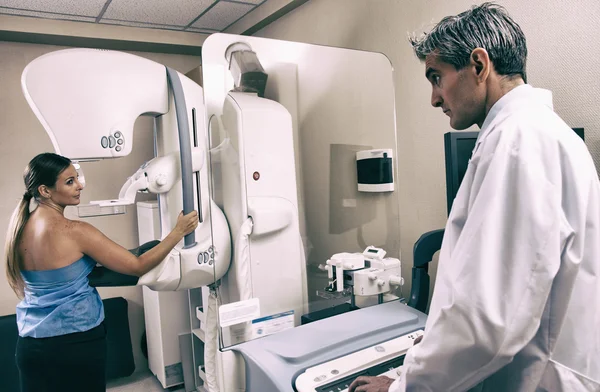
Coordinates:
[562,40]
[23,137]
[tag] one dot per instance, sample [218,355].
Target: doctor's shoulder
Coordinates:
[535,132]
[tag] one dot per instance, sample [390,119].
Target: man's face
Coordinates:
[456,92]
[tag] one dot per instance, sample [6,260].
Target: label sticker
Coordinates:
[239,312]
[272,324]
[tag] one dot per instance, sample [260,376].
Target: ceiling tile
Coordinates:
[205,31]
[246,1]
[74,7]
[46,15]
[171,12]
[222,15]
[138,24]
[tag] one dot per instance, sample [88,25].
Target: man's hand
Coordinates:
[375,384]
[371,384]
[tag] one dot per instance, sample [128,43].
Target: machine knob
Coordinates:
[396,280]
[380,282]
[161,180]
[372,276]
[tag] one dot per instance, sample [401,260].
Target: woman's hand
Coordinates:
[186,223]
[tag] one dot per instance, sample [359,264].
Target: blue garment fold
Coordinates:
[59,301]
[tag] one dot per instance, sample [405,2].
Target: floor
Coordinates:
[139,382]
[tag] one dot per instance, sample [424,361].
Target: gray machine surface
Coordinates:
[273,362]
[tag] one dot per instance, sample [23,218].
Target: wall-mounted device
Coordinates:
[375,170]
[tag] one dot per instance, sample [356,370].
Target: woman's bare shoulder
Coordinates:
[78,228]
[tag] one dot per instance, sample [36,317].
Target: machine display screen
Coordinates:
[344,383]
[373,251]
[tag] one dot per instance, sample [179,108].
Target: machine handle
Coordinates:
[185,149]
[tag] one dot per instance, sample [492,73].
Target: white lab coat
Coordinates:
[516,303]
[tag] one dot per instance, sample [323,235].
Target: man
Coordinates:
[516,305]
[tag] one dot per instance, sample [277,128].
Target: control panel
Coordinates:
[337,375]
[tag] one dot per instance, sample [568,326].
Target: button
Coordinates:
[161,179]
[111,142]
[117,134]
[104,142]
[200,258]
[335,371]
[380,349]
[118,148]
[119,141]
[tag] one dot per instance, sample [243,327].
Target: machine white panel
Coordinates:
[260,131]
[71,91]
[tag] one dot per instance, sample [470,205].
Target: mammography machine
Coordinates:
[231,151]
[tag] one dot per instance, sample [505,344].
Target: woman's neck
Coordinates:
[51,206]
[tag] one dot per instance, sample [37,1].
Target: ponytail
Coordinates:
[13,237]
[43,169]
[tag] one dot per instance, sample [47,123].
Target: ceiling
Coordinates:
[200,16]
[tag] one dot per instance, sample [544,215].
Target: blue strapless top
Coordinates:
[59,301]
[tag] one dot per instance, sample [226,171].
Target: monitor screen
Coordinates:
[458,147]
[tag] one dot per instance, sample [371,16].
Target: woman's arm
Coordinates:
[103,250]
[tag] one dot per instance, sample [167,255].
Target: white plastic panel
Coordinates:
[259,181]
[88,99]
[340,101]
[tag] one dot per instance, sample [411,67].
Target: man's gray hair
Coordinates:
[487,26]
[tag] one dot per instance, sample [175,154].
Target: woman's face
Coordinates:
[67,189]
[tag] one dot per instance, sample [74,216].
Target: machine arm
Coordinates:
[88,101]
[104,277]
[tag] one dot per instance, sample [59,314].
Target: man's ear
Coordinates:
[44,191]
[482,64]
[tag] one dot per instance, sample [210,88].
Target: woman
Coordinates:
[61,344]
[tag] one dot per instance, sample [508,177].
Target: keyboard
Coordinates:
[379,360]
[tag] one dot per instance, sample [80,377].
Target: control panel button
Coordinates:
[119,141]
[117,134]
[118,148]
[111,142]
[104,142]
